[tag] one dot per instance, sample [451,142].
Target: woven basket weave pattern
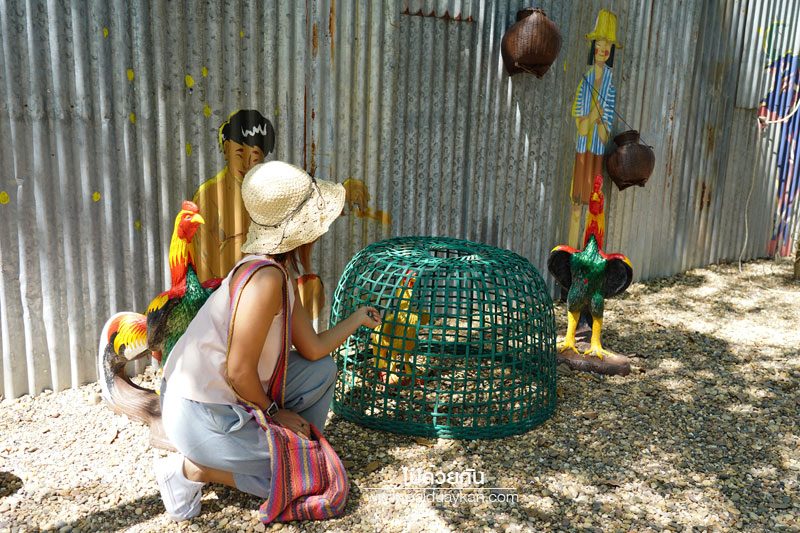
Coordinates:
[531,44]
[631,163]
[473,341]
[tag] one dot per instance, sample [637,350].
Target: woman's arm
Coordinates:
[313,345]
[260,301]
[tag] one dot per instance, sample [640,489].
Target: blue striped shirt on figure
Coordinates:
[582,105]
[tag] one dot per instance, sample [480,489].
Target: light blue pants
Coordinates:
[227,437]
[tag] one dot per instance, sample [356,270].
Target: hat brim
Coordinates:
[307,225]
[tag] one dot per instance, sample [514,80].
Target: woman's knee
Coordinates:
[327,369]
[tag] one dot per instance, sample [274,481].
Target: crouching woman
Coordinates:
[235,351]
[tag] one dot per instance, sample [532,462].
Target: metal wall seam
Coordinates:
[693,159]
[723,137]
[680,54]
[737,175]
[753,185]
[706,139]
[640,216]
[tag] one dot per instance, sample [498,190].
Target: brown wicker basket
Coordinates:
[531,44]
[631,163]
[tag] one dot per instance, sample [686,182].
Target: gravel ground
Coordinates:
[703,435]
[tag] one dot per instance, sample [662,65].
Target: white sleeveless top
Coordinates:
[196,367]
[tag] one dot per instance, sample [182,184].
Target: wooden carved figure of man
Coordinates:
[593,111]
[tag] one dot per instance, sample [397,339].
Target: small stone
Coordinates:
[139,511]
[372,466]
[260,527]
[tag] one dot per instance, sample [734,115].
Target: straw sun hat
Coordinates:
[287,207]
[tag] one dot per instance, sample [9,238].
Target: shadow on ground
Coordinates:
[690,439]
[9,484]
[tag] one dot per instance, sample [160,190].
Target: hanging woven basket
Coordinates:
[632,162]
[531,44]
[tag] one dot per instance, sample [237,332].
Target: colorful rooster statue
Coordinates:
[396,338]
[128,336]
[590,276]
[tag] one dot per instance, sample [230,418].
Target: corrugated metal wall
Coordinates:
[109,114]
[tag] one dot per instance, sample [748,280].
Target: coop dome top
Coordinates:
[467,344]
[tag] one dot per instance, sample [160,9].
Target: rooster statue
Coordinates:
[590,276]
[128,336]
[398,333]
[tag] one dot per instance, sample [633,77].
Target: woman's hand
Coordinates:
[293,421]
[314,346]
[368,317]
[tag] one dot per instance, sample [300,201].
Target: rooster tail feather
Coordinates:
[123,339]
[128,333]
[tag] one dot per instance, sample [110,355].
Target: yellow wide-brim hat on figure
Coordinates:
[605,27]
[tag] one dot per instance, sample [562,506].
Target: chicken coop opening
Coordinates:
[466,348]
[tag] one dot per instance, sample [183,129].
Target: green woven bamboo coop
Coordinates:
[467,345]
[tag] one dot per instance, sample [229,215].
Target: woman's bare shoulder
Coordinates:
[269,277]
[264,279]
[261,295]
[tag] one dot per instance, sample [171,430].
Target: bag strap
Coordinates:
[278,379]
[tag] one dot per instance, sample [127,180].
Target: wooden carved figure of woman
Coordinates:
[593,111]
